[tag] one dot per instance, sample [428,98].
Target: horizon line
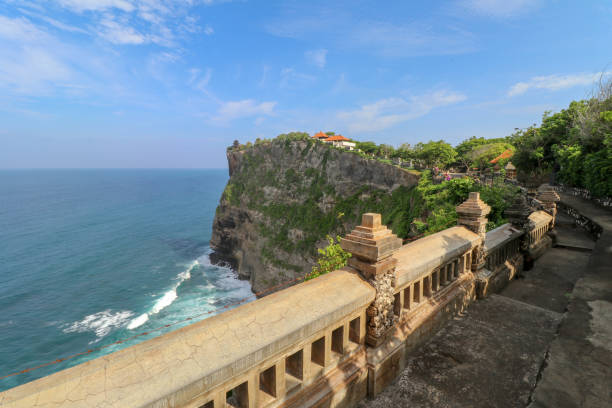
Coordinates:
[112,168]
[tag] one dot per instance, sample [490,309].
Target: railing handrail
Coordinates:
[540,218]
[501,236]
[420,257]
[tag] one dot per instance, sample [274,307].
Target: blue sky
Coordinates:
[151,83]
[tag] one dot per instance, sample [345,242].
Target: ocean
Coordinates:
[91,257]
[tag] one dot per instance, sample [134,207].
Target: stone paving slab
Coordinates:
[550,283]
[489,357]
[570,236]
[578,371]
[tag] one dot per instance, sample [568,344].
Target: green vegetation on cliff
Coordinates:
[431,205]
[575,143]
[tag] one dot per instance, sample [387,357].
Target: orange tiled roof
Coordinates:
[320,135]
[505,155]
[337,138]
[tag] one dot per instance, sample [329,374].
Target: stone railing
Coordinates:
[541,224]
[502,244]
[330,341]
[430,265]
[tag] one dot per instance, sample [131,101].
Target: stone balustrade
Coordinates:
[541,224]
[430,264]
[330,341]
[502,244]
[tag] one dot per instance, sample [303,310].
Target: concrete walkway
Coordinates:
[545,341]
[579,366]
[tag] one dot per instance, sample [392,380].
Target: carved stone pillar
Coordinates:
[518,215]
[472,214]
[372,245]
[549,198]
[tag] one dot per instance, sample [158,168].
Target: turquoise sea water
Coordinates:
[88,257]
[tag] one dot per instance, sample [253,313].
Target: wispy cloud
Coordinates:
[97,5]
[26,65]
[208,30]
[317,58]
[417,38]
[500,8]
[133,22]
[118,33]
[385,113]
[199,81]
[292,79]
[555,82]
[232,110]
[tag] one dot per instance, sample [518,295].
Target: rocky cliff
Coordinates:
[285,195]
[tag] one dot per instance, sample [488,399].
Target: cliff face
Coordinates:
[284,196]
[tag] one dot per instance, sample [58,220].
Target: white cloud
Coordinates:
[555,82]
[198,81]
[500,8]
[317,58]
[292,79]
[28,63]
[208,30]
[117,33]
[388,112]
[241,109]
[97,5]
[20,29]
[375,37]
[33,70]
[130,22]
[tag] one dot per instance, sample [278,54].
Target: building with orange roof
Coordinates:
[340,141]
[505,155]
[336,140]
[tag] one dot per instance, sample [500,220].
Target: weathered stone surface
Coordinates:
[428,253]
[518,212]
[578,372]
[371,241]
[473,214]
[372,245]
[489,357]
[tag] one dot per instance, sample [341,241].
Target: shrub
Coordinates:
[330,258]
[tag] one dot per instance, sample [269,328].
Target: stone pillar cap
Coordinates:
[546,193]
[371,241]
[473,206]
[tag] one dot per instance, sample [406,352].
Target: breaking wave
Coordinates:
[166,300]
[100,323]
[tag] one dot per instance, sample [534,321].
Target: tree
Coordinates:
[465,150]
[437,153]
[482,155]
[385,150]
[367,147]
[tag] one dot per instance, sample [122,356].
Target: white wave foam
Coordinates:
[139,321]
[167,299]
[164,301]
[100,323]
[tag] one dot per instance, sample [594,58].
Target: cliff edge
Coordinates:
[286,194]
